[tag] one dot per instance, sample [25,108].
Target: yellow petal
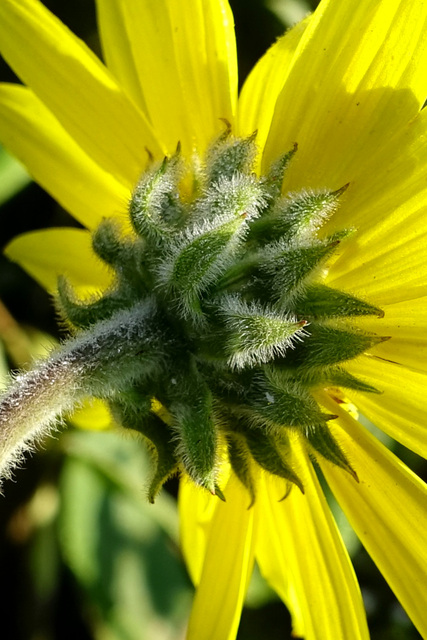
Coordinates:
[196,508]
[93,415]
[76,87]
[387,509]
[184,54]
[406,324]
[385,204]
[271,550]
[259,94]
[49,253]
[300,534]
[388,270]
[400,410]
[117,48]
[349,87]
[227,568]
[52,157]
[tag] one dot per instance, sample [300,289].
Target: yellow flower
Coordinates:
[347,85]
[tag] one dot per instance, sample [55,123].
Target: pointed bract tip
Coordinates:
[252,502]
[295,480]
[298,483]
[227,125]
[353,473]
[217,492]
[288,491]
[150,155]
[341,190]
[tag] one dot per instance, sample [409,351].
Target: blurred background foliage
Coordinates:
[82,553]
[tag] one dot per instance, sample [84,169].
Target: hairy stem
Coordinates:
[99,362]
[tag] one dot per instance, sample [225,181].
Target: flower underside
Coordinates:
[218,312]
[218,315]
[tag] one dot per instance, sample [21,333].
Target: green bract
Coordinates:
[218,314]
[244,329]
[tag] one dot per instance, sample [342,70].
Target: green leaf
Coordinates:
[13,177]
[116,544]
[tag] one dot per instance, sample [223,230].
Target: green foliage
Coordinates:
[121,551]
[13,176]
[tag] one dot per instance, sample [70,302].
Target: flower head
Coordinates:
[265,267]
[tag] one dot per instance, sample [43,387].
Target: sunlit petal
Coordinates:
[117,48]
[50,253]
[400,409]
[349,87]
[406,324]
[227,568]
[386,509]
[53,158]
[305,541]
[271,551]
[196,508]
[385,204]
[194,85]
[256,105]
[57,65]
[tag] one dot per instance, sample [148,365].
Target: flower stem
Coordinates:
[99,362]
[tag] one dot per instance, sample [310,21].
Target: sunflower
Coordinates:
[266,283]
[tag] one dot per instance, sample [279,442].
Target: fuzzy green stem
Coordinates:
[100,362]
